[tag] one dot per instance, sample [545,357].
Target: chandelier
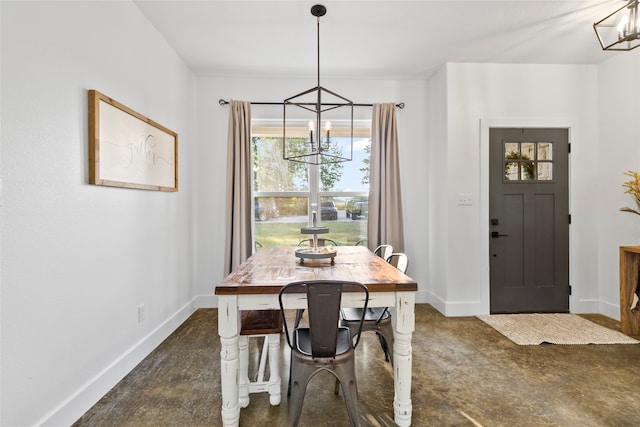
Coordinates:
[319,106]
[621,29]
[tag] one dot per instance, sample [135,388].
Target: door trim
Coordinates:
[513,122]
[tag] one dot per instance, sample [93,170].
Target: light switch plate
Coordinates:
[465,199]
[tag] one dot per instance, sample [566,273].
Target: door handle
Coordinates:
[496,234]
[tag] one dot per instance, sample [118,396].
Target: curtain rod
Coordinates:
[222,102]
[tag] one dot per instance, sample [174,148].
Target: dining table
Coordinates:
[256,283]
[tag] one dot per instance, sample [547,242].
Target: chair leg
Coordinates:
[346,375]
[298,386]
[383,344]
[385,333]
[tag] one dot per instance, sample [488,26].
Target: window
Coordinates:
[285,193]
[528,161]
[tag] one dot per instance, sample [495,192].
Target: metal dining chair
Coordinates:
[323,345]
[377,319]
[384,251]
[321,242]
[399,260]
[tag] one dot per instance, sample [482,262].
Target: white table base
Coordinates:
[229,306]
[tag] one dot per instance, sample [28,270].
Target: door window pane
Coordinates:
[528,171]
[545,171]
[511,151]
[545,151]
[511,171]
[528,151]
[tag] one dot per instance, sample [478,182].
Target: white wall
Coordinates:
[483,95]
[78,259]
[618,151]
[212,130]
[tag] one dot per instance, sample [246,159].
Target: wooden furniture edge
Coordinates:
[271,289]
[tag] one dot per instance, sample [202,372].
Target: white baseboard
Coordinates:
[609,310]
[474,308]
[456,308]
[437,302]
[584,306]
[76,405]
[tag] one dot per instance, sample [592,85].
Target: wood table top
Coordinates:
[270,268]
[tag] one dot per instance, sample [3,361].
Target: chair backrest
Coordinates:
[323,307]
[384,251]
[399,261]
[321,242]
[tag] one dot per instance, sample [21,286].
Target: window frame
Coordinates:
[273,128]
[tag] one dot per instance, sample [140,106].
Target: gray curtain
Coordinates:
[385,201]
[238,238]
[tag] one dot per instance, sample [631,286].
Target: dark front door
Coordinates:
[529,220]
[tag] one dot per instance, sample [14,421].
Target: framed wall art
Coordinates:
[129,150]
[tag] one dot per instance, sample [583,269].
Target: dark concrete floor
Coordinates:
[464,374]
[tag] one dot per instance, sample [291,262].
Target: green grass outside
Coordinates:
[344,233]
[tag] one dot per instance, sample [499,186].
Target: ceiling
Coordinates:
[385,39]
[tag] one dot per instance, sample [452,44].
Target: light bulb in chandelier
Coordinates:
[327,129]
[622,26]
[311,127]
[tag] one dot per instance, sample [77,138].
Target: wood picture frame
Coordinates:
[129,150]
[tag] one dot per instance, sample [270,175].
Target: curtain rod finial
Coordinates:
[222,102]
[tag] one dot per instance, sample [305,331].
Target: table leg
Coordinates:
[274,369]
[243,378]
[228,329]
[403,326]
